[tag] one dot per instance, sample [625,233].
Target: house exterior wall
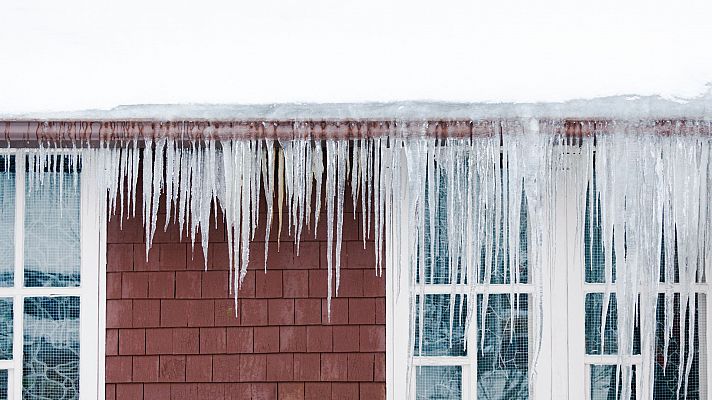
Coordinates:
[172,332]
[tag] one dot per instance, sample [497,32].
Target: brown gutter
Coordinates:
[29,132]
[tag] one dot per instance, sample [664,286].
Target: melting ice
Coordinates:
[651,196]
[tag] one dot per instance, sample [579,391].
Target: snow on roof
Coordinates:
[615,107]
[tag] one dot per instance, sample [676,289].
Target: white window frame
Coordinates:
[563,369]
[91,291]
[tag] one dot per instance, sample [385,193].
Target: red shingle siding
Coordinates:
[172,332]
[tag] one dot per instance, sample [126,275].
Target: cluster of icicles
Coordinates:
[650,192]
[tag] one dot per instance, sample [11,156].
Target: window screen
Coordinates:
[40,273]
[495,358]
[603,341]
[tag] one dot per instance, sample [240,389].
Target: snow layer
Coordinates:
[614,107]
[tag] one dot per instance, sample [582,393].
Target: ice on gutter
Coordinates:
[649,189]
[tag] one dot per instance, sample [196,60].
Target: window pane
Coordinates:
[503,347]
[437,340]
[438,383]
[668,255]
[604,381]
[3,384]
[594,319]
[500,264]
[52,252]
[7,220]
[437,263]
[667,371]
[594,255]
[594,316]
[51,349]
[439,268]
[6,329]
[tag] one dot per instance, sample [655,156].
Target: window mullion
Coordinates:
[472,346]
[706,346]
[91,379]
[17,345]
[18,299]
[19,220]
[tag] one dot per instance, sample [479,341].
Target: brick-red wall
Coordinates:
[172,331]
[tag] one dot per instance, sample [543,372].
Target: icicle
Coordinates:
[280,192]
[288,186]
[365,168]
[259,168]
[123,172]
[355,174]
[268,178]
[331,165]
[184,189]
[134,175]
[342,171]
[156,188]
[308,182]
[377,194]
[147,181]
[317,170]
[245,214]
[170,179]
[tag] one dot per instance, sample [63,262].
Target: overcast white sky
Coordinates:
[79,54]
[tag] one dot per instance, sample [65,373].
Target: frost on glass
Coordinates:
[443,325]
[438,383]
[503,349]
[6,328]
[7,220]
[606,383]
[671,356]
[52,248]
[51,348]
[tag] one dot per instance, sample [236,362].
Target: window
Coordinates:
[579,352]
[602,350]
[50,292]
[496,359]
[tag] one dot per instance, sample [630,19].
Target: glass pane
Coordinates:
[438,316]
[52,253]
[438,383]
[594,319]
[667,370]
[6,329]
[51,349]
[437,262]
[503,347]
[501,273]
[437,268]
[668,255]
[3,384]
[594,315]
[594,255]
[604,382]
[7,220]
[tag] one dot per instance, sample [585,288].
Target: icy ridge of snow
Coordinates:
[613,107]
